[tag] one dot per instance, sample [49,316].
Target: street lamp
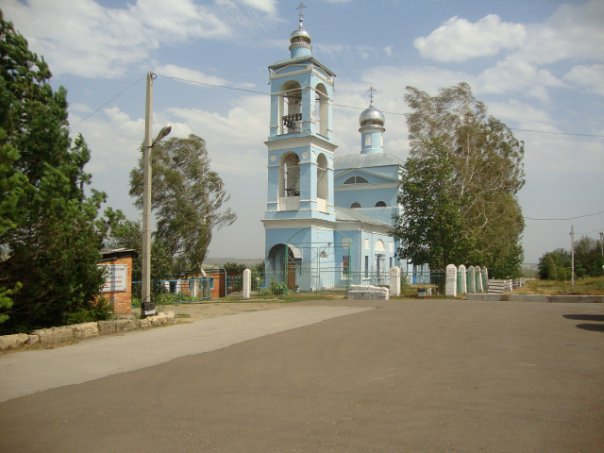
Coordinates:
[148,307]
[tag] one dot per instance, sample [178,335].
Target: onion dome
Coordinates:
[300,42]
[372,117]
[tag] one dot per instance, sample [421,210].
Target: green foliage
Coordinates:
[119,232]
[431,227]
[557,265]
[278,288]
[48,240]
[187,199]
[98,311]
[6,302]
[472,168]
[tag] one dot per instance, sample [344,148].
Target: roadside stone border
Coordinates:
[368,292]
[536,298]
[55,336]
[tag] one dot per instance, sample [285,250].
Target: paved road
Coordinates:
[400,376]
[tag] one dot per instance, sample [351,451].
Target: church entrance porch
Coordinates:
[283,264]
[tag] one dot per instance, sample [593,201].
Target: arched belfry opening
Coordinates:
[322,186]
[321,110]
[289,183]
[290,106]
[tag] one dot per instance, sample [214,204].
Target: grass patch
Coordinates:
[590,286]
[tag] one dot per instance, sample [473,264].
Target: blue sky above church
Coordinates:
[538,65]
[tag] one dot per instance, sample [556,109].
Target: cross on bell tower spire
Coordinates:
[301,7]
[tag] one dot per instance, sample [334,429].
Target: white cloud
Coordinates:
[191,75]
[83,38]
[267,6]
[572,32]
[459,40]
[388,50]
[516,75]
[590,77]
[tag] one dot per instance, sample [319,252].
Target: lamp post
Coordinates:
[148,307]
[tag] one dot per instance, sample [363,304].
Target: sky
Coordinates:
[537,65]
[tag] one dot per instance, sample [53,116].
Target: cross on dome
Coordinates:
[371,92]
[301,7]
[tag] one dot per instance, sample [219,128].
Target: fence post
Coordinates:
[478,277]
[471,280]
[395,281]
[462,284]
[451,281]
[247,283]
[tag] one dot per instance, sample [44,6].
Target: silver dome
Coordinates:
[300,37]
[372,117]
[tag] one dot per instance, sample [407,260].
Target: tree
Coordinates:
[120,232]
[49,246]
[555,265]
[431,229]
[486,170]
[187,197]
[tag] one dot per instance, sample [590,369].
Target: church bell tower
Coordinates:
[300,197]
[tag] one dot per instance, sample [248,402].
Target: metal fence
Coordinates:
[181,290]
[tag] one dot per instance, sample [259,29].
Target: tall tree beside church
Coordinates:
[48,243]
[486,163]
[187,197]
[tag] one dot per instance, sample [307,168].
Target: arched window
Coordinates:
[355,205]
[290,105]
[290,176]
[380,204]
[322,177]
[356,180]
[320,111]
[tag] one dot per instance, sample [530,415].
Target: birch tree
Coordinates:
[487,168]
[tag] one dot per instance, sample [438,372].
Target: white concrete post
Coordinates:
[485,279]
[451,281]
[395,281]
[462,284]
[194,286]
[478,279]
[247,283]
[471,280]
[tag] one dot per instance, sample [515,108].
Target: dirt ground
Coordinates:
[194,311]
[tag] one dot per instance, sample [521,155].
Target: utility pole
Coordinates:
[602,242]
[572,255]
[147,307]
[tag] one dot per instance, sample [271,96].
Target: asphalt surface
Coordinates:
[428,375]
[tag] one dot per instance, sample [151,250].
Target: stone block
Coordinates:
[13,341]
[106,327]
[144,323]
[368,292]
[85,330]
[33,339]
[55,335]
[171,317]
[125,325]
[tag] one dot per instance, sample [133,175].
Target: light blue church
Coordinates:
[328,218]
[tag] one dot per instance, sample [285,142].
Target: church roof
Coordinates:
[366,161]
[353,215]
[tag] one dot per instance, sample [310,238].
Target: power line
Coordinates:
[573,134]
[335,104]
[569,218]
[110,100]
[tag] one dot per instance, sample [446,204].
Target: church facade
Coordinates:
[328,218]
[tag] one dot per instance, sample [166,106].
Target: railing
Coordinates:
[179,290]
